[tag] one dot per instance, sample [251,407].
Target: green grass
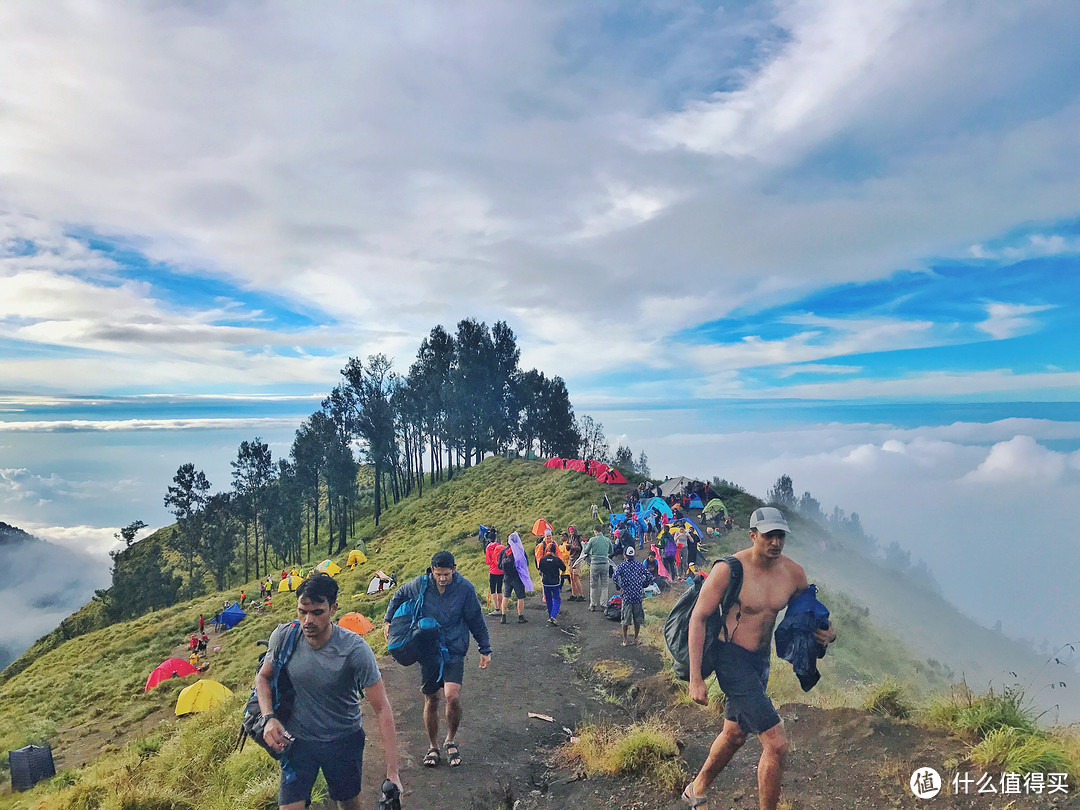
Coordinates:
[646,749]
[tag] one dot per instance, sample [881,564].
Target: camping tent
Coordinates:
[231,616]
[169,668]
[357,622]
[674,486]
[200,696]
[658,503]
[715,505]
[688,524]
[356,556]
[30,765]
[695,502]
[290,583]
[554,462]
[330,567]
[576,464]
[541,526]
[611,476]
[594,468]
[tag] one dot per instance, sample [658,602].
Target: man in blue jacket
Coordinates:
[451,600]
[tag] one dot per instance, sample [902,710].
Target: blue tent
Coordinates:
[700,533]
[482,534]
[658,503]
[231,616]
[695,502]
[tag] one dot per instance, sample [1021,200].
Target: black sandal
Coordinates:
[453,758]
[432,758]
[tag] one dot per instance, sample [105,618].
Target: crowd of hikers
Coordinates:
[430,619]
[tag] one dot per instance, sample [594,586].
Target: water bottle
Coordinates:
[391,796]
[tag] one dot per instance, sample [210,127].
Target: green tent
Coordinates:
[715,505]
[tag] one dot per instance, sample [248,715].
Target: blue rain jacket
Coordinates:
[795,640]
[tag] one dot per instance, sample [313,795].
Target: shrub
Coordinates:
[887,699]
[1016,751]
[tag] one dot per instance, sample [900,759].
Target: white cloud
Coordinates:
[1020,459]
[1009,320]
[117,425]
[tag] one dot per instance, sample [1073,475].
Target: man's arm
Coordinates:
[712,591]
[273,731]
[474,618]
[376,695]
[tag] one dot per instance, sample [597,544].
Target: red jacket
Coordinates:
[491,556]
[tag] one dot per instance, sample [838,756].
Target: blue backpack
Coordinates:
[414,636]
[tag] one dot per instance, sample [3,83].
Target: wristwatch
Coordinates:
[269,716]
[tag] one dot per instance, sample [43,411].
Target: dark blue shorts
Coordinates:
[341,761]
[743,675]
[452,672]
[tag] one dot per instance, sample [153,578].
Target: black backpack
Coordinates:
[506,562]
[677,626]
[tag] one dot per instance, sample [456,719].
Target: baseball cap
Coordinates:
[629,551]
[768,519]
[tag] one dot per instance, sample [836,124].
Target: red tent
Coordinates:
[596,467]
[170,668]
[611,476]
[576,464]
[554,462]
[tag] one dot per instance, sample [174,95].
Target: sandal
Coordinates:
[452,755]
[691,799]
[432,758]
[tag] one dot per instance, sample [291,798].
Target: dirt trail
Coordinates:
[839,759]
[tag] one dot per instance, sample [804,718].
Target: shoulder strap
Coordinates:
[289,645]
[734,586]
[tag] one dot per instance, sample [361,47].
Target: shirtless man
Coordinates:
[770,580]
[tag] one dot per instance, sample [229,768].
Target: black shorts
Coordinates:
[512,585]
[452,672]
[743,676]
[341,761]
[495,582]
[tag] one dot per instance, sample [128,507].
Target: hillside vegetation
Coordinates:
[119,747]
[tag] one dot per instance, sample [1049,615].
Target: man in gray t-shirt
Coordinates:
[330,670]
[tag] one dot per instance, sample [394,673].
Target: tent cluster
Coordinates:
[604,473]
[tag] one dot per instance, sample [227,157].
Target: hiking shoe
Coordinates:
[592,608]
[503,619]
[522,620]
[551,621]
[494,613]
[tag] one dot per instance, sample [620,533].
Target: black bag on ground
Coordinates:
[613,609]
[282,697]
[677,626]
[30,765]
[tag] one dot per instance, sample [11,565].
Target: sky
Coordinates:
[834,239]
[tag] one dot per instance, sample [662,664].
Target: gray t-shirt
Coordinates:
[327,682]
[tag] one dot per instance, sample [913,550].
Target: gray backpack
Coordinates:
[677,626]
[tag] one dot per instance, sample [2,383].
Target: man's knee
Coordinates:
[732,734]
[774,742]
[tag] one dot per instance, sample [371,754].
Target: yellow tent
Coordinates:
[290,583]
[200,696]
[330,567]
[356,556]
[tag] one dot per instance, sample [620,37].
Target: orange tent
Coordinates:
[541,526]
[357,622]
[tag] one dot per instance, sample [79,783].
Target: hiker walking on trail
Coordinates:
[598,551]
[516,580]
[631,576]
[770,581]
[451,600]
[551,570]
[495,574]
[573,551]
[330,670]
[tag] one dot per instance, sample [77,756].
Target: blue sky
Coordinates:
[831,238]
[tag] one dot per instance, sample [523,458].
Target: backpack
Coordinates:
[412,635]
[677,626]
[613,610]
[670,548]
[506,562]
[282,696]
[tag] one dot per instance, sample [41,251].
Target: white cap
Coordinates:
[768,519]
[629,551]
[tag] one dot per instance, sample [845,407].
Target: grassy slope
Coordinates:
[94,683]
